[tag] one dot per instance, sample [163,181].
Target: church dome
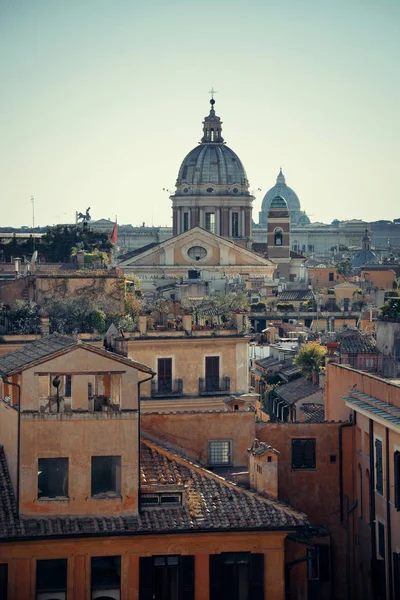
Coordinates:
[212,167]
[281,189]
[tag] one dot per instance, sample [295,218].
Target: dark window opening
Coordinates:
[235,224]
[68,386]
[185,221]
[51,578]
[166,578]
[106,576]
[219,453]
[269,458]
[237,576]
[90,390]
[331,277]
[381,539]
[303,453]
[4,580]
[106,475]
[278,237]
[236,407]
[318,562]
[397,480]
[212,373]
[333,459]
[164,375]
[52,477]
[378,466]
[396,570]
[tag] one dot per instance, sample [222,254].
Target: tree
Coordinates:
[59,241]
[391,309]
[344,267]
[310,358]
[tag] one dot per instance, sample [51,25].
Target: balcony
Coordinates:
[212,386]
[172,388]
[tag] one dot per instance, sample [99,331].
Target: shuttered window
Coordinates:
[166,578]
[381,539]
[303,453]
[397,480]
[237,576]
[378,466]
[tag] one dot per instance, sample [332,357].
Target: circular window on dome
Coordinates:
[235,190]
[210,190]
[186,190]
[197,252]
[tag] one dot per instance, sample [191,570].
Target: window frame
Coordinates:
[65,485]
[210,451]
[378,465]
[57,590]
[396,479]
[98,587]
[106,494]
[304,467]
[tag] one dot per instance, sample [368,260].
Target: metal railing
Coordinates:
[171,388]
[214,385]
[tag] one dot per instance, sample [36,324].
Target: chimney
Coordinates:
[239,317]
[187,323]
[17,266]
[142,321]
[44,324]
[263,469]
[121,346]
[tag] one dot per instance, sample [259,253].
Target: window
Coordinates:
[237,576]
[166,578]
[381,539]
[185,221]
[197,252]
[106,475]
[331,276]
[318,562]
[210,222]
[303,453]
[106,577]
[311,247]
[52,477]
[212,373]
[360,493]
[235,224]
[169,499]
[396,570]
[397,480]
[51,579]
[219,452]
[378,467]
[3,580]
[278,237]
[332,459]
[68,386]
[164,375]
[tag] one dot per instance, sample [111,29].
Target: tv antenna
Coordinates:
[30,265]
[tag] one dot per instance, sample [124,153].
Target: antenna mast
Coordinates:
[33,223]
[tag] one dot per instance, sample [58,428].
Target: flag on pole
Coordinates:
[114,233]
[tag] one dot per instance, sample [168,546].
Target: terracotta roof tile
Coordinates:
[296,389]
[210,503]
[312,413]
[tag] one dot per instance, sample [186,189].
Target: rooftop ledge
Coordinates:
[79,415]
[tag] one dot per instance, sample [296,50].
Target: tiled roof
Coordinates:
[312,413]
[296,389]
[50,344]
[210,503]
[295,295]
[259,448]
[266,362]
[29,353]
[356,344]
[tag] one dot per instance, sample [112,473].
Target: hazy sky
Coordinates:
[100,102]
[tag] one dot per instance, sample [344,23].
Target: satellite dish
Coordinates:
[34,257]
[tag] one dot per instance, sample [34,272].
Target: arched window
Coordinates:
[278,235]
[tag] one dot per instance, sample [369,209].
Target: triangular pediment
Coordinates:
[212,250]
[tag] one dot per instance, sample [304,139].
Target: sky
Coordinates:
[101,101]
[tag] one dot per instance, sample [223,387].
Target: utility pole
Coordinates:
[33,223]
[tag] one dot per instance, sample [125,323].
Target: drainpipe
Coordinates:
[139,384]
[388,520]
[17,385]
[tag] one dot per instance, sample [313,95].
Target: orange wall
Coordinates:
[188,359]
[22,557]
[380,279]
[314,491]
[193,430]
[319,276]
